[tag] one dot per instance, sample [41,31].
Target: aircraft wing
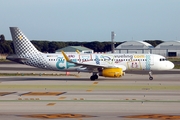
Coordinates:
[92,66]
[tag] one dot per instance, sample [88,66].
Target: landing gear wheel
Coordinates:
[92,78]
[96,76]
[150,78]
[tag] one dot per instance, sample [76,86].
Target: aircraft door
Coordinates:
[151,60]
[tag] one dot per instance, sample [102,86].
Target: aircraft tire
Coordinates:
[95,76]
[92,78]
[150,78]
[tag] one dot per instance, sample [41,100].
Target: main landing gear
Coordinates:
[94,76]
[150,75]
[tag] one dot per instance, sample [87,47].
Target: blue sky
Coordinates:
[92,20]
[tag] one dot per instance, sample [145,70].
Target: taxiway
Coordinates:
[76,97]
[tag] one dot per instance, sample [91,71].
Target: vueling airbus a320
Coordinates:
[107,65]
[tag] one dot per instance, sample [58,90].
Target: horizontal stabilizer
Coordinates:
[15,58]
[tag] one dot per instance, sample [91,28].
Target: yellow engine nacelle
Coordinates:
[112,72]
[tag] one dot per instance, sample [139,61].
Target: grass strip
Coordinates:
[85,87]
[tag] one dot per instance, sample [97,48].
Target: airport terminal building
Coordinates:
[167,48]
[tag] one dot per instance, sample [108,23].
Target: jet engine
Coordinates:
[112,72]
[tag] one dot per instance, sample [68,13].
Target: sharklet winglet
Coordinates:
[78,51]
[66,57]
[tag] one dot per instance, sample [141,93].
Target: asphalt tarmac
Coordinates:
[77,98]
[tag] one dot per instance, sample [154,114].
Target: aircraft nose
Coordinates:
[170,65]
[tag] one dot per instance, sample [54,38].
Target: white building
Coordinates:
[134,47]
[167,48]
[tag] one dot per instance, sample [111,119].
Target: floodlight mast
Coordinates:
[112,41]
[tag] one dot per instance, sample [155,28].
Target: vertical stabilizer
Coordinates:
[21,43]
[26,53]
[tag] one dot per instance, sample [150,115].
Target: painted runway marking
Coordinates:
[6,93]
[28,99]
[56,116]
[51,104]
[89,90]
[42,93]
[78,99]
[62,98]
[95,83]
[155,116]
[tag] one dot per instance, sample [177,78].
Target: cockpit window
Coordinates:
[163,59]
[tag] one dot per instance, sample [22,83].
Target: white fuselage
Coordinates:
[128,61]
[107,65]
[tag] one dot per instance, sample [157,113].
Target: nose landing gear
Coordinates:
[150,75]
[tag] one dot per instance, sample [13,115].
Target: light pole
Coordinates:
[112,41]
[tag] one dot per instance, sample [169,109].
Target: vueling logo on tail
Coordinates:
[20,37]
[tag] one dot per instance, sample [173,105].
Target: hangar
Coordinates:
[167,48]
[134,47]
